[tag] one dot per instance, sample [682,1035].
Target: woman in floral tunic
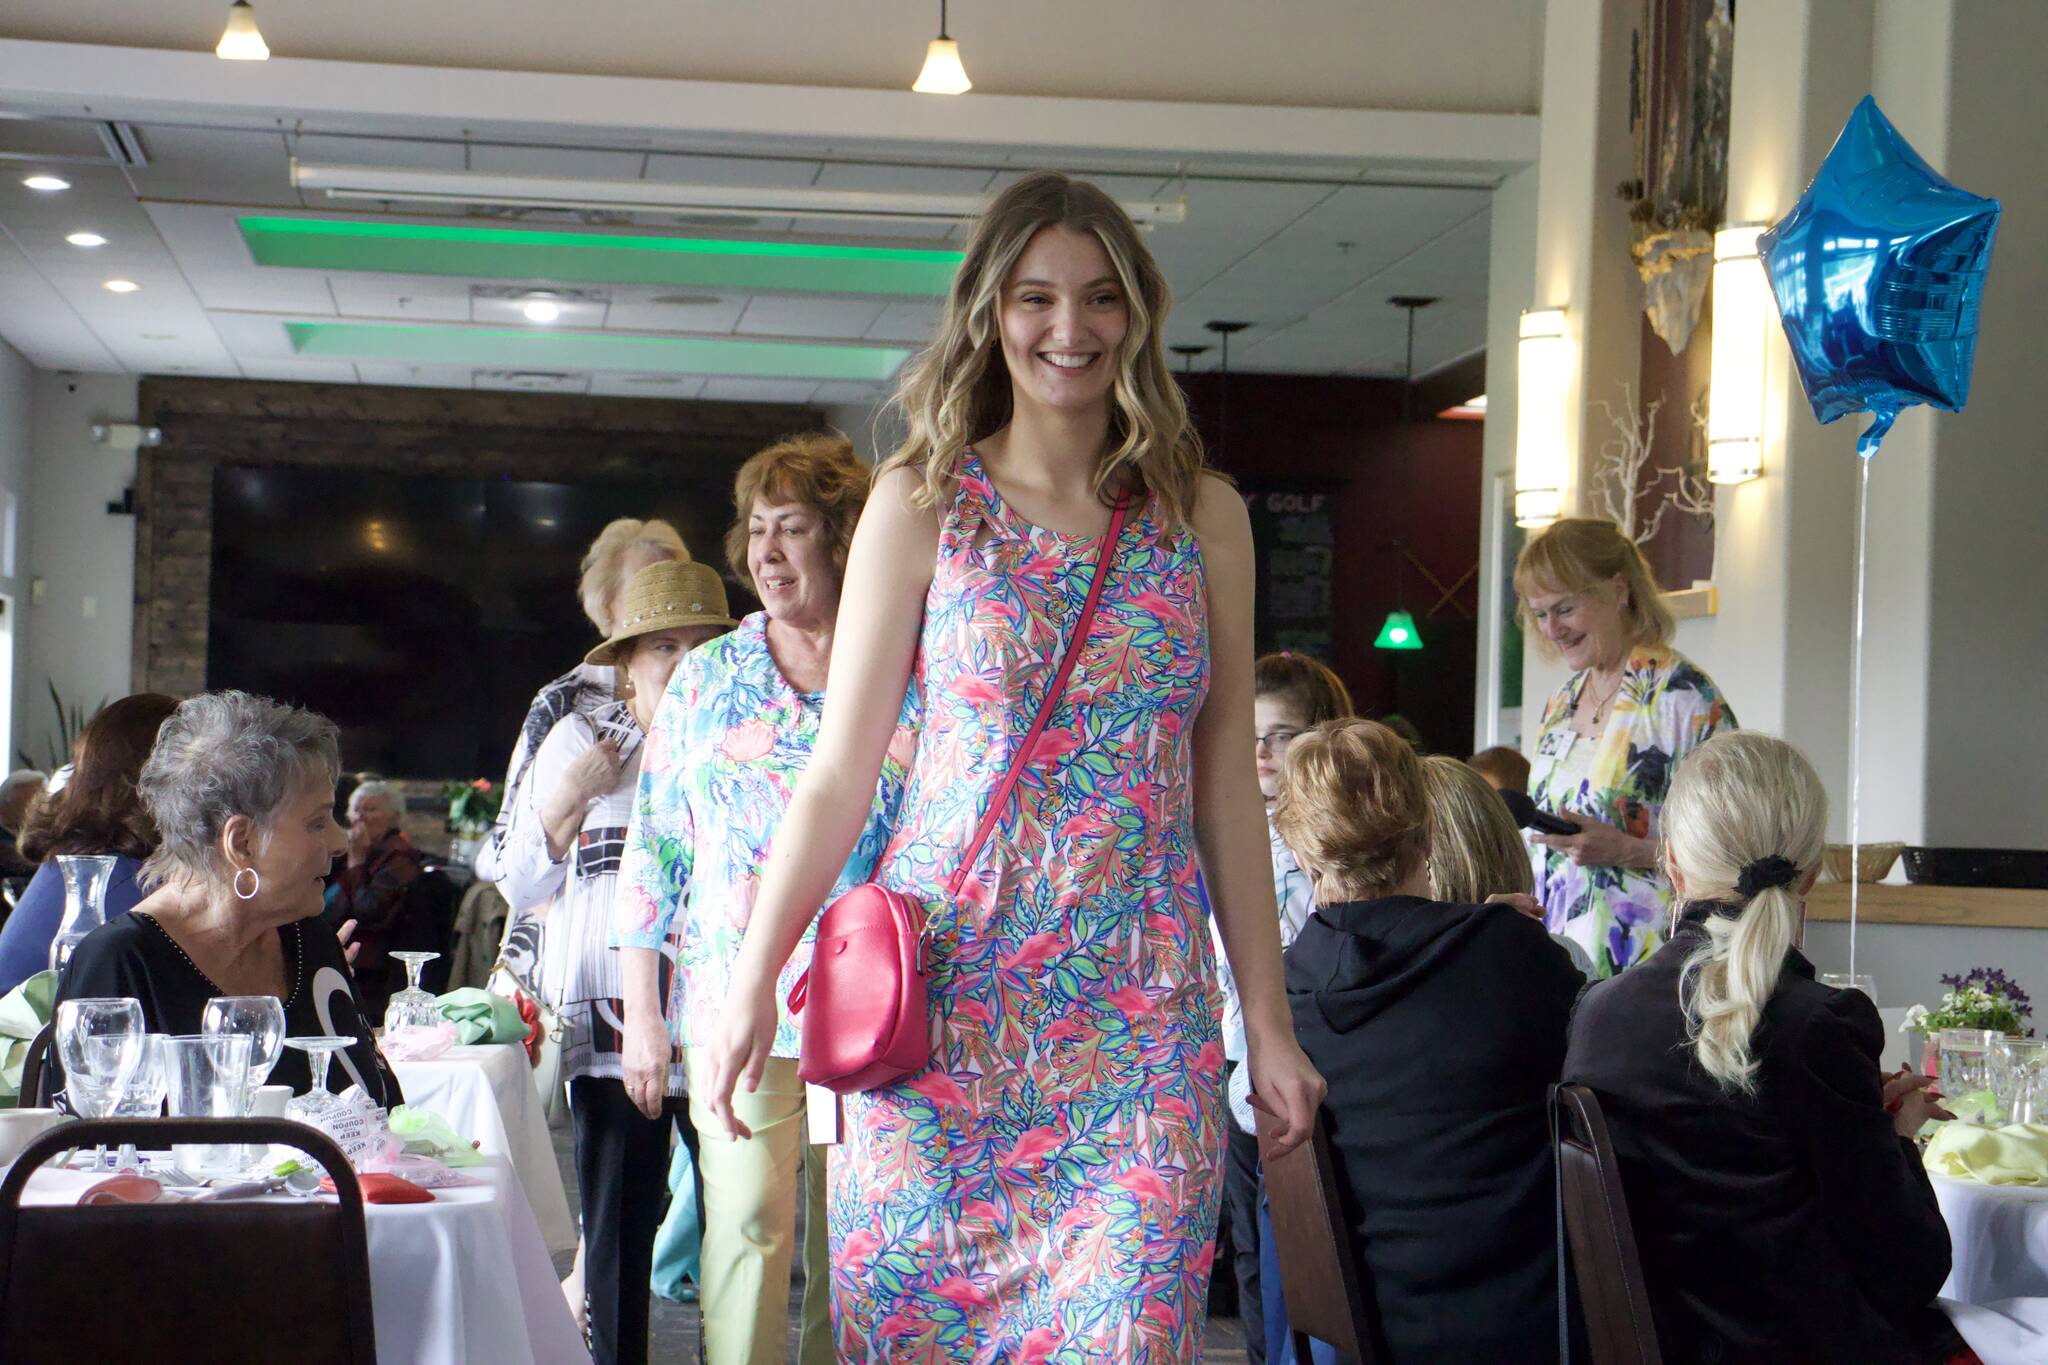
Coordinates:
[1046,1189]
[737,727]
[1610,738]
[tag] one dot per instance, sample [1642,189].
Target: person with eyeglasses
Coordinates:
[1610,739]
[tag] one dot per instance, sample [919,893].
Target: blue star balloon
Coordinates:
[1878,271]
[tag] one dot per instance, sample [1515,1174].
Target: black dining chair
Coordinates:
[1613,1296]
[241,1280]
[1320,1277]
[35,1069]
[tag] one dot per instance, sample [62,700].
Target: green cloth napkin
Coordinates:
[426,1133]
[481,1017]
[2016,1154]
[23,1012]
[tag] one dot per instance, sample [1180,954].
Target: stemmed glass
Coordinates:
[260,1019]
[85,901]
[412,1007]
[144,1098]
[1861,981]
[99,1041]
[316,1104]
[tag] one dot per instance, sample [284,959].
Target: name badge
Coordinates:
[821,1115]
[1555,743]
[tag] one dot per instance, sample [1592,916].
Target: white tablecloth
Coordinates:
[487,1092]
[1997,1290]
[463,1279]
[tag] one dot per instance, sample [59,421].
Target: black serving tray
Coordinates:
[2009,867]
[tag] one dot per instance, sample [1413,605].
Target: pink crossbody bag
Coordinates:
[866,1016]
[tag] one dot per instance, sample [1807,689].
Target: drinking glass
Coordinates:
[85,902]
[316,1103]
[144,1098]
[207,1077]
[412,1007]
[99,1041]
[1861,981]
[261,1017]
[2020,1076]
[1965,1063]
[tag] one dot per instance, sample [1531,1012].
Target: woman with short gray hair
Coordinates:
[241,789]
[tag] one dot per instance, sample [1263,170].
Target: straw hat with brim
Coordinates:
[666,596]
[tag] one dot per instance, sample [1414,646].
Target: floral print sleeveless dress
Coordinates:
[1047,1190]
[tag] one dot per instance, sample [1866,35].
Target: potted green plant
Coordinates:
[1983,997]
[472,810]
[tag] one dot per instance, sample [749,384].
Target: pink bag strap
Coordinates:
[1106,552]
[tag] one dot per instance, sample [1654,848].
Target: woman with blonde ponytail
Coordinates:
[1780,1209]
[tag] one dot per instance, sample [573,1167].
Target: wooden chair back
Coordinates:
[234,1280]
[1613,1296]
[1320,1278]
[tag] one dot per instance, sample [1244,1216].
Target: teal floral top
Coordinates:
[1666,707]
[717,773]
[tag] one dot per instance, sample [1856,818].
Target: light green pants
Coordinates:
[750,1193]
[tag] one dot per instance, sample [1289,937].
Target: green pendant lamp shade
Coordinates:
[1398,632]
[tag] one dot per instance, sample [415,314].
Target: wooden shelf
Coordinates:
[1974,907]
[1702,599]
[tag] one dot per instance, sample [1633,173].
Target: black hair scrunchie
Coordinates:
[1765,873]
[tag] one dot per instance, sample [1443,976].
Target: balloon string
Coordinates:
[1856,708]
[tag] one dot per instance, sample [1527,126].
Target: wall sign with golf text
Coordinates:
[1294,537]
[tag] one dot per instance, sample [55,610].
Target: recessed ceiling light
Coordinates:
[48,184]
[86,239]
[541,308]
[122,286]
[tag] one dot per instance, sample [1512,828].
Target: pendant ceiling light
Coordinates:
[240,41]
[1398,630]
[942,74]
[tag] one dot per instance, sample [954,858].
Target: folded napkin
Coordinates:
[380,1188]
[480,1017]
[125,1188]
[23,1012]
[426,1133]
[2016,1154]
[418,1044]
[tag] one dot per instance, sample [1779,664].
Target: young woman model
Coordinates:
[1051,1180]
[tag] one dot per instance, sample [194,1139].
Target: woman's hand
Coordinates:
[590,775]
[345,936]
[1521,901]
[645,1058]
[1600,845]
[1287,1087]
[746,1035]
[1907,1097]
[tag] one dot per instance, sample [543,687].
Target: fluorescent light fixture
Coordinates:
[541,308]
[86,239]
[1743,313]
[239,41]
[942,73]
[48,184]
[1543,369]
[121,286]
[405,185]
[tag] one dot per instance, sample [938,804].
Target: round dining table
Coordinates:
[1997,1290]
[464,1278]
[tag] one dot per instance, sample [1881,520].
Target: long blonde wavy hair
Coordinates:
[1740,797]
[957,390]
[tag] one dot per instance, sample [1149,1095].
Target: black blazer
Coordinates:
[1440,1029]
[1793,1226]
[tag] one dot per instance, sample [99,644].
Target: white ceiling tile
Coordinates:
[643,310]
[378,151]
[215,165]
[301,371]
[759,390]
[416,376]
[901,179]
[837,392]
[572,163]
[611,385]
[916,322]
[531,381]
[808,317]
[730,170]
[428,298]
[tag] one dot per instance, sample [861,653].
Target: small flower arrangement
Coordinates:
[472,806]
[1983,997]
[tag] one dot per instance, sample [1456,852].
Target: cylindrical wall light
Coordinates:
[1742,324]
[1543,369]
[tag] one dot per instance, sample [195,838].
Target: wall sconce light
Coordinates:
[1742,322]
[1542,364]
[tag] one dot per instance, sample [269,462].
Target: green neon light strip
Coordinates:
[597,257]
[492,348]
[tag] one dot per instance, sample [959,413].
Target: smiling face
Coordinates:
[292,859]
[1064,315]
[790,561]
[1588,628]
[1277,720]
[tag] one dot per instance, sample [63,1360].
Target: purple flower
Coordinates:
[1993,981]
[1620,945]
[1637,913]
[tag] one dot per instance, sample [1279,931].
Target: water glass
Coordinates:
[85,902]
[1861,981]
[208,1077]
[260,1017]
[317,1103]
[144,1098]
[2020,1077]
[1965,1062]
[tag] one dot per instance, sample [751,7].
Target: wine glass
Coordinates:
[2020,1076]
[144,1098]
[316,1103]
[261,1017]
[99,1041]
[85,901]
[412,1007]
[1843,981]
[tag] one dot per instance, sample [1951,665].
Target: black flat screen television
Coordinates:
[421,613]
